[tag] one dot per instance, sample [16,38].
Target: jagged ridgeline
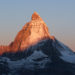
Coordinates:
[35,52]
[29,35]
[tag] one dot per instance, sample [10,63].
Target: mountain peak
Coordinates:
[35,16]
[32,32]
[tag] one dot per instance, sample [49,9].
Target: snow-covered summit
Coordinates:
[35,51]
[31,33]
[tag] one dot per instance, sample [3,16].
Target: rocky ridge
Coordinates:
[31,33]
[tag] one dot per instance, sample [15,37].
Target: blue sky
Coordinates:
[59,15]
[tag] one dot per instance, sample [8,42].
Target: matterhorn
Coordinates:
[31,33]
[35,52]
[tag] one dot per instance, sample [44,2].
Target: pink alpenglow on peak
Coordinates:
[31,33]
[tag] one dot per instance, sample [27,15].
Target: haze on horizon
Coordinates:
[58,15]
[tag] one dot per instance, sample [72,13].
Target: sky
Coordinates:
[59,15]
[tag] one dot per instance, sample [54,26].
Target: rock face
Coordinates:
[42,55]
[4,49]
[31,33]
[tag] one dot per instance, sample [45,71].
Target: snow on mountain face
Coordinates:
[35,50]
[45,55]
[30,34]
[66,53]
[37,60]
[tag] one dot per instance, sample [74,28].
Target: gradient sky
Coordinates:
[59,15]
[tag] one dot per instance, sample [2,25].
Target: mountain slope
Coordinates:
[34,51]
[30,34]
[44,56]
